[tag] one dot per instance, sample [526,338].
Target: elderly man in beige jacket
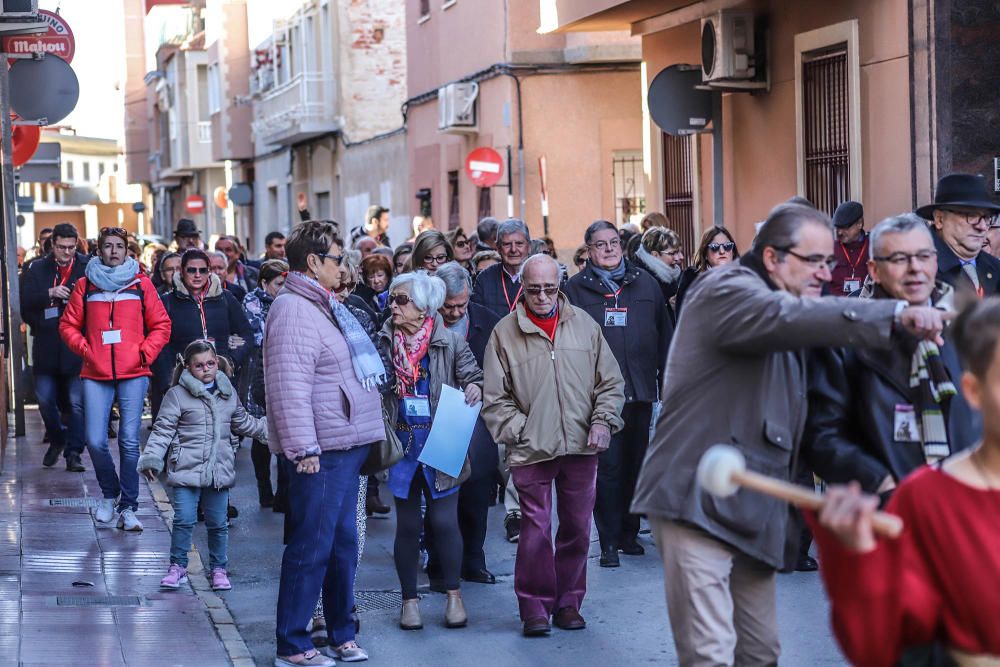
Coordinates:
[553,395]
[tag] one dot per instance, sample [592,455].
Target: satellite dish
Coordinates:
[46,88]
[677,105]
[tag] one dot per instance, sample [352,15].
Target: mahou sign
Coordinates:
[57,41]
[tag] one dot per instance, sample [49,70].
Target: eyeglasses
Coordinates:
[399,299]
[461,244]
[720,247]
[903,258]
[973,219]
[815,261]
[535,291]
[604,246]
[206,365]
[676,252]
[338,259]
[435,259]
[192,270]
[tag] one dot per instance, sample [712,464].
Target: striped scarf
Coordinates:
[933,390]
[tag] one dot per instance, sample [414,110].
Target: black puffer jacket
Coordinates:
[224,317]
[647,336]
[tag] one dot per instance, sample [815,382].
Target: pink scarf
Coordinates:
[406,356]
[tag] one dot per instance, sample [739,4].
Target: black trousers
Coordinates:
[442,516]
[473,511]
[617,473]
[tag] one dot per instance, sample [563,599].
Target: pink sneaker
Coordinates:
[220,580]
[176,576]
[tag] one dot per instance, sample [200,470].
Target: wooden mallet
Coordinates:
[723,470]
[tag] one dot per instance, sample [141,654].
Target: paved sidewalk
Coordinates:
[73,592]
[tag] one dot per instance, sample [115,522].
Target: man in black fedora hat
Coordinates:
[960,217]
[187,235]
[851,249]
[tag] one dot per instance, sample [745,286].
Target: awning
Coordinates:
[152,3]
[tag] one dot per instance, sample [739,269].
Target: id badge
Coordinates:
[615,317]
[851,286]
[417,406]
[112,337]
[905,426]
[52,313]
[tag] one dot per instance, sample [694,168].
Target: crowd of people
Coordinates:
[822,351]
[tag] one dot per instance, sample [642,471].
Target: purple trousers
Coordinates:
[547,579]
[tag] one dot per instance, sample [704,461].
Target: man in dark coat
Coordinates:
[475,323]
[961,216]
[628,304]
[45,289]
[498,287]
[851,249]
[738,376]
[866,407]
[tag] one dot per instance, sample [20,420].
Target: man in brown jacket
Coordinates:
[737,375]
[553,395]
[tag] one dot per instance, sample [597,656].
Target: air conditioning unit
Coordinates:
[457,108]
[727,47]
[19,9]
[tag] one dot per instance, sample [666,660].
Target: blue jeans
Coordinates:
[98,398]
[215,505]
[322,551]
[47,389]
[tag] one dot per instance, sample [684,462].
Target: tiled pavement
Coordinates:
[51,554]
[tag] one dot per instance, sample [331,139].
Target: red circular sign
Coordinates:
[485,167]
[194,204]
[24,141]
[58,40]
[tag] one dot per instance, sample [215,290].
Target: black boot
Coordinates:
[265,495]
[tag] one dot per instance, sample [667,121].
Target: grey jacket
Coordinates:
[736,374]
[195,425]
[451,362]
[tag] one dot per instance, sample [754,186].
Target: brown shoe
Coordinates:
[568,618]
[454,611]
[537,626]
[409,616]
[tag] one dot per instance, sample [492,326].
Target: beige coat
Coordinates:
[540,399]
[195,426]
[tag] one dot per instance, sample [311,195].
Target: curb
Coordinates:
[222,619]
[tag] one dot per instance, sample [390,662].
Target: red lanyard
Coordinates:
[56,281]
[503,284]
[201,311]
[614,296]
[854,264]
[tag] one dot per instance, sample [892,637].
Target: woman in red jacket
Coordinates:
[116,323]
[935,589]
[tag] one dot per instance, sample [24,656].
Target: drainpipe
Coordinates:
[520,140]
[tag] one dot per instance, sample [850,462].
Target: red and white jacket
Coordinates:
[135,310]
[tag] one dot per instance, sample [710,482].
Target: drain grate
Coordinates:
[377,600]
[73,502]
[99,601]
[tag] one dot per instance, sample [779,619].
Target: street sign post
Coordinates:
[58,40]
[194,204]
[484,166]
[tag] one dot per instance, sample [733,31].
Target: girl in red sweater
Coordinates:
[940,581]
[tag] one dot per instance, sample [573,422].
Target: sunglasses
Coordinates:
[338,259]
[580,261]
[720,247]
[114,231]
[399,299]
[193,270]
[348,287]
[461,244]
[535,291]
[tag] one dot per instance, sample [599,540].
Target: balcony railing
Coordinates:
[302,106]
[205,132]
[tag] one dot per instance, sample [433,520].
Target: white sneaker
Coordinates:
[105,511]
[127,520]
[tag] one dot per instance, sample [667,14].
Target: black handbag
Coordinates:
[385,453]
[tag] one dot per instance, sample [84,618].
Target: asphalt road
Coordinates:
[625,611]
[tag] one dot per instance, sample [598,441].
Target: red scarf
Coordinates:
[406,356]
[546,324]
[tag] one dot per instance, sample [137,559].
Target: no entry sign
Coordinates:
[194,204]
[57,41]
[485,167]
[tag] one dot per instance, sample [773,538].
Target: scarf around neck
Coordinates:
[406,356]
[611,277]
[112,278]
[368,367]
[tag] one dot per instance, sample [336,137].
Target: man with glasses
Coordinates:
[961,216]
[629,306]
[875,416]
[553,396]
[737,376]
[45,289]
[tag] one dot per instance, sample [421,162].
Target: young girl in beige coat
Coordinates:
[195,423]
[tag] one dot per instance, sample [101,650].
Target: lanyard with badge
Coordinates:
[853,284]
[506,295]
[615,317]
[415,405]
[52,312]
[201,311]
[112,336]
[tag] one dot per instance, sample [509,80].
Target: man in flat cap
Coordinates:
[851,249]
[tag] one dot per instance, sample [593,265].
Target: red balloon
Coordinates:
[25,140]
